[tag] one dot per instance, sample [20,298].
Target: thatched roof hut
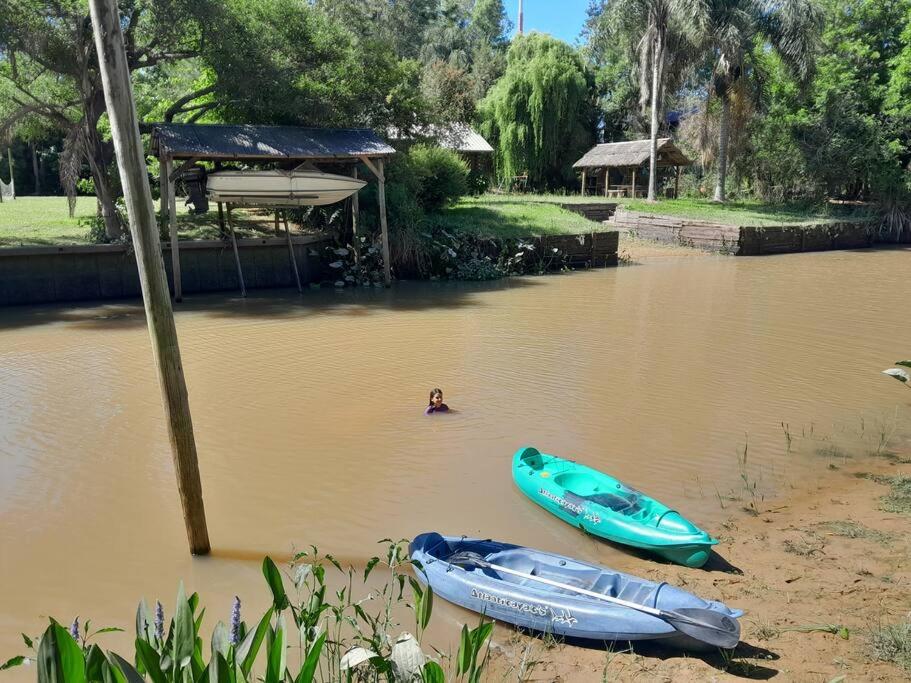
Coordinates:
[624,158]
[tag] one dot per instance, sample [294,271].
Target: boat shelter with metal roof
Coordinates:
[179,146]
[610,168]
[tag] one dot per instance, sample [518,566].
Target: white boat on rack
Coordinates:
[280,188]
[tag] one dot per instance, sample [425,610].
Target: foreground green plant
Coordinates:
[339,638]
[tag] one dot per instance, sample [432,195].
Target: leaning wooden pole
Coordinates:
[121,110]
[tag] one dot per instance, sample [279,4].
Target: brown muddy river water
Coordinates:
[309,417]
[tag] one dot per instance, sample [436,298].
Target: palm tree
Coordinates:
[733,30]
[660,30]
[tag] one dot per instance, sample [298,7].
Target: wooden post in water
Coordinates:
[355,209]
[156,298]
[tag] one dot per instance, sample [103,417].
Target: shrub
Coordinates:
[441,176]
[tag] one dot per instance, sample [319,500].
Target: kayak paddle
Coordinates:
[702,624]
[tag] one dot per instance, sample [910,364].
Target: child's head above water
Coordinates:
[436,398]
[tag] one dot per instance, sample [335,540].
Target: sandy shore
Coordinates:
[816,573]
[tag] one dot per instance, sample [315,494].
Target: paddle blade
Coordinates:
[467,558]
[706,625]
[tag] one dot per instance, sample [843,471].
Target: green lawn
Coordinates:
[494,215]
[746,212]
[556,198]
[45,221]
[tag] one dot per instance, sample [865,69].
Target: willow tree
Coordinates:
[540,112]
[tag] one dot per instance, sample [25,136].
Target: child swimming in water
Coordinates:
[436,404]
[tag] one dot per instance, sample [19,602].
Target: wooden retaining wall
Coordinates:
[32,275]
[746,240]
[584,251]
[593,211]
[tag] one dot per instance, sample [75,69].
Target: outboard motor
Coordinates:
[195,180]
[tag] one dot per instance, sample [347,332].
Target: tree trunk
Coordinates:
[35,169]
[653,148]
[723,135]
[113,227]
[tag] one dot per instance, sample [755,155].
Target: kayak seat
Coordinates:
[614,502]
[641,593]
[607,584]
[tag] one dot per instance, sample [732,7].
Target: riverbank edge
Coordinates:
[39,275]
[748,240]
[798,579]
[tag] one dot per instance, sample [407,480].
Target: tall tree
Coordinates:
[733,31]
[657,33]
[540,113]
[48,69]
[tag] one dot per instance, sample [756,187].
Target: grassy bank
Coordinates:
[45,221]
[746,212]
[493,215]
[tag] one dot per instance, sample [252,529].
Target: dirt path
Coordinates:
[816,574]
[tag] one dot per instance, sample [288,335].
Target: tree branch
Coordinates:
[178,106]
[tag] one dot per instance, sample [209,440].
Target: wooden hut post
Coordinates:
[297,277]
[634,183]
[143,227]
[240,272]
[583,182]
[277,231]
[221,218]
[377,170]
[175,248]
[677,184]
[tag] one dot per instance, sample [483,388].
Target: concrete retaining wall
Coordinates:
[32,275]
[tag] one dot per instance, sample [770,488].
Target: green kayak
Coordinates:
[608,508]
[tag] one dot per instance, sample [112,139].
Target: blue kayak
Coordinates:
[536,606]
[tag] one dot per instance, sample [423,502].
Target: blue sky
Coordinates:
[560,18]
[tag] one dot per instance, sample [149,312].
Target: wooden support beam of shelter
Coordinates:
[176,173]
[355,209]
[377,170]
[128,146]
[240,271]
[297,277]
[172,232]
